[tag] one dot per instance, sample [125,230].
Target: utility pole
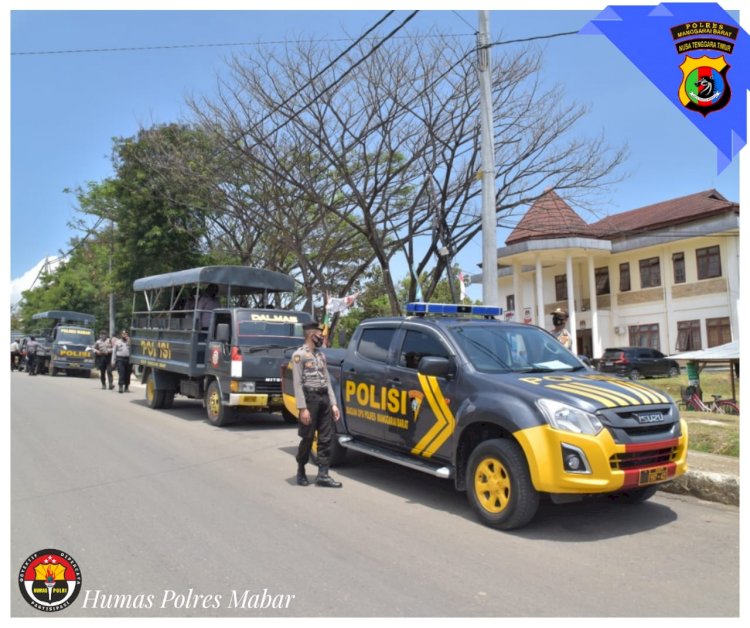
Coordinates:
[489,218]
[111,283]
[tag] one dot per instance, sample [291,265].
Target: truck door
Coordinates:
[362,382]
[425,421]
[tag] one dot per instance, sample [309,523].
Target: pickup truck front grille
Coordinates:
[271,388]
[640,459]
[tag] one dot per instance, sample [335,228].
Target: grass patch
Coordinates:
[708,432]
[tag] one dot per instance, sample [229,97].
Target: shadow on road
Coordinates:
[593,519]
[191,410]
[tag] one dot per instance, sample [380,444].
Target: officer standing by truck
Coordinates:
[103,351]
[121,359]
[316,403]
[32,346]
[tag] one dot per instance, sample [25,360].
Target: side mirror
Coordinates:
[222,332]
[433,365]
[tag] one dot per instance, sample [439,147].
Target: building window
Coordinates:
[601,276]
[688,336]
[625,277]
[561,287]
[650,272]
[510,303]
[718,331]
[678,264]
[644,336]
[709,262]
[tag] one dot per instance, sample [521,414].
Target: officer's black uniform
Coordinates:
[312,391]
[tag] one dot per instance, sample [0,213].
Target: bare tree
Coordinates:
[383,149]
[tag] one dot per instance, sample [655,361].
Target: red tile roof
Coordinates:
[549,216]
[666,213]
[552,217]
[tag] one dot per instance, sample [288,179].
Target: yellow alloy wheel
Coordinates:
[150,389]
[214,402]
[492,485]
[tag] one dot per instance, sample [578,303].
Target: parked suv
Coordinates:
[637,362]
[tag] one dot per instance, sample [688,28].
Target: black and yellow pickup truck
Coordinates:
[500,408]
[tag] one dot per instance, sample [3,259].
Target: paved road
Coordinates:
[166,514]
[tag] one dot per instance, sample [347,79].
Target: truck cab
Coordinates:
[229,356]
[68,344]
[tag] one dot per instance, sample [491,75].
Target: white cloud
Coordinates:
[28,279]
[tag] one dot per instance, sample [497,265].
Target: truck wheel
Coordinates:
[218,414]
[154,397]
[335,456]
[288,417]
[499,485]
[53,371]
[634,495]
[168,399]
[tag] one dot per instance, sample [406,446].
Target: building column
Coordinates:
[539,292]
[517,291]
[668,282]
[596,345]
[571,303]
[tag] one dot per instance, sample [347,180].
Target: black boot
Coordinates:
[119,389]
[302,477]
[324,479]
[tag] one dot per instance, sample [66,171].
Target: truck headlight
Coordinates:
[569,419]
[247,387]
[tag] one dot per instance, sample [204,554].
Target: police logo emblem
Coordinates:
[704,86]
[50,580]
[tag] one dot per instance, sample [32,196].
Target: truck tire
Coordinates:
[218,413]
[335,456]
[499,485]
[53,371]
[154,397]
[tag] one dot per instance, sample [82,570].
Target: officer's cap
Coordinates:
[312,325]
[560,312]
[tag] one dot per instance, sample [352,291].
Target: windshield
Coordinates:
[513,348]
[75,335]
[264,327]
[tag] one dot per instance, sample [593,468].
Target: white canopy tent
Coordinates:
[730,353]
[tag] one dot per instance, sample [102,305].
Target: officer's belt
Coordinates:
[316,391]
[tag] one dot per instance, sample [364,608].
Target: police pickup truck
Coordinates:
[502,409]
[226,350]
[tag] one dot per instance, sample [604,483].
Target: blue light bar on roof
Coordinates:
[452,308]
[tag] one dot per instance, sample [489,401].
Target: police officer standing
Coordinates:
[103,351]
[316,404]
[121,359]
[32,347]
[560,331]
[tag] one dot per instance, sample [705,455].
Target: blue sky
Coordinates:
[66,107]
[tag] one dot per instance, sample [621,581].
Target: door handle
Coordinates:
[395,381]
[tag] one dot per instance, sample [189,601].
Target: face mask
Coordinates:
[557,321]
[318,341]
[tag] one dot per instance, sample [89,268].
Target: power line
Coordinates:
[224,45]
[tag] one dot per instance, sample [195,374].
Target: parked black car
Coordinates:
[637,362]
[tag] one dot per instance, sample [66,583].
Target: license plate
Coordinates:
[649,476]
[253,400]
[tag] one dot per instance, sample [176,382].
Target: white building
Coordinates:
[664,276]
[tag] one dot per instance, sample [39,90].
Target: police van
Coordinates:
[227,354]
[501,409]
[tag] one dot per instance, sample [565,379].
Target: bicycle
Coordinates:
[717,406]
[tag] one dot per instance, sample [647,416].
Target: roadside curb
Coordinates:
[716,487]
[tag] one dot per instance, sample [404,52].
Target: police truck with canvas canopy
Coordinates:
[69,343]
[212,333]
[501,409]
